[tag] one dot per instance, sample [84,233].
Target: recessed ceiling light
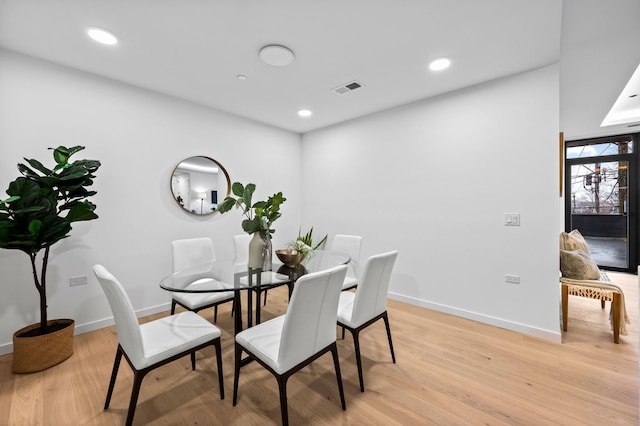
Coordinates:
[102,36]
[439,64]
[277,56]
[241,77]
[305,113]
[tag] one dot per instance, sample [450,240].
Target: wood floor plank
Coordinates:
[449,370]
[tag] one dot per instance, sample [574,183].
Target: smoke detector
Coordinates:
[349,87]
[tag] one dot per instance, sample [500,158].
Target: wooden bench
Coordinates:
[602,289]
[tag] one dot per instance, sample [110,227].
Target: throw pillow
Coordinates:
[578,265]
[573,241]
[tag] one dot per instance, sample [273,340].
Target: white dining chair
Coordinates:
[241,248]
[357,311]
[155,343]
[349,244]
[191,252]
[287,343]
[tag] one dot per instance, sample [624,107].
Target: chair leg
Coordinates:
[137,382]
[265,298]
[385,317]
[215,314]
[173,307]
[356,345]
[219,360]
[565,306]
[114,373]
[336,363]
[282,386]
[236,371]
[193,360]
[615,311]
[342,333]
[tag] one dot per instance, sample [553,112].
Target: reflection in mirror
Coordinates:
[197,184]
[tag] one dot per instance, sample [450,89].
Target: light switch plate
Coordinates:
[512,219]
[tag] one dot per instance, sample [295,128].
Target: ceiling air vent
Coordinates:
[346,88]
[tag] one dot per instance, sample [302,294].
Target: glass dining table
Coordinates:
[226,275]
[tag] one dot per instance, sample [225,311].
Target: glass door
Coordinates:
[600,199]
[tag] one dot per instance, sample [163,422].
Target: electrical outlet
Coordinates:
[512,279]
[73,281]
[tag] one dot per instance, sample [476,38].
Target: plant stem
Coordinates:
[41,285]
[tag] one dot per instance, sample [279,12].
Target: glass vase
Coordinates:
[267,253]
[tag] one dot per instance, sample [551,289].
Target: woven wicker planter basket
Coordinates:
[37,353]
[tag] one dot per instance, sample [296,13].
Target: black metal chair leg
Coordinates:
[173,307]
[114,373]
[336,363]
[356,344]
[215,314]
[137,382]
[236,372]
[386,324]
[193,360]
[219,359]
[282,386]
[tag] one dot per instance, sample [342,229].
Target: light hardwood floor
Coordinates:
[449,371]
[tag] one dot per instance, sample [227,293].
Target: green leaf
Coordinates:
[10,199]
[226,205]
[39,166]
[238,189]
[248,195]
[34,226]
[81,211]
[24,188]
[61,155]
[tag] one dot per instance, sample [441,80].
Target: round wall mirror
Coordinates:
[197,183]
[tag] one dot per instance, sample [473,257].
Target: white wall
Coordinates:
[139,136]
[434,179]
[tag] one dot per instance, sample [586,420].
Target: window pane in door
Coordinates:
[599,209]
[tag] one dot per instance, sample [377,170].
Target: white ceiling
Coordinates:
[194,49]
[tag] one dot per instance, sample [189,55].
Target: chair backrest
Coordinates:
[241,247]
[349,244]
[127,326]
[192,252]
[371,294]
[310,321]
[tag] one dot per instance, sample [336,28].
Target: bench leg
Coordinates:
[565,305]
[616,317]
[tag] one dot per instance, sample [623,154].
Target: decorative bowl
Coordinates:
[290,257]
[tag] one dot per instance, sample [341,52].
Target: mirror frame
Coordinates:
[220,167]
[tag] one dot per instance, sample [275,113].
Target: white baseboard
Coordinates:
[97,325]
[555,337]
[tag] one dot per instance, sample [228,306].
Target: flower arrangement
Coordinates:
[299,246]
[304,243]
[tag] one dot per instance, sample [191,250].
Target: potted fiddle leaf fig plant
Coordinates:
[42,205]
[259,218]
